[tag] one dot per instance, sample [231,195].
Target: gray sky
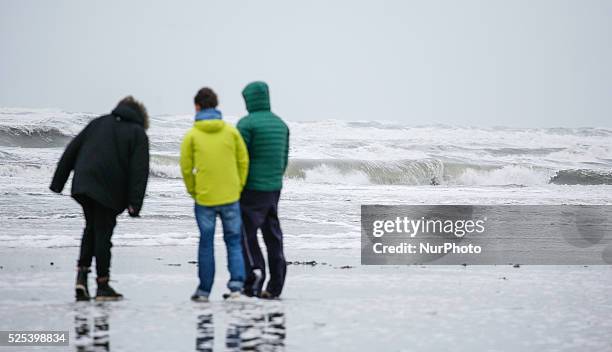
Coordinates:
[514,63]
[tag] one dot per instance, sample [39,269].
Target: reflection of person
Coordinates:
[91,336]
[251,326]
[214,163]
[110,159]
[205,333]
[255,328]
[267,138]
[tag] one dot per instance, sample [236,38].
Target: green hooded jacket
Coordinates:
[267,139]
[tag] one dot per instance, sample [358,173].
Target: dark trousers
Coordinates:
[100,222]
[260,211]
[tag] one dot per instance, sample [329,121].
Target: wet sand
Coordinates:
[333,304]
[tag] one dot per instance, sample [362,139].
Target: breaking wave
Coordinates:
[368,172]
[39,128]
[400,172]
[409,172]
[33,137]
[165,166]
[414,172]
[30,170]
[582,177]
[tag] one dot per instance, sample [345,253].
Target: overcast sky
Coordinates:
[514,63]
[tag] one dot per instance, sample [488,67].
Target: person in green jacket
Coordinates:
[215,164]
[267,139]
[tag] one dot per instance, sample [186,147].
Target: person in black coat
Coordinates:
[110,159]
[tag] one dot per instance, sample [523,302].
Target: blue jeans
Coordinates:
[232,235]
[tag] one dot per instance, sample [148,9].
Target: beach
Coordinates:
[437,176]
[335,304]
[331,301]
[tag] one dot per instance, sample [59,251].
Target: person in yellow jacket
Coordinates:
[215,164]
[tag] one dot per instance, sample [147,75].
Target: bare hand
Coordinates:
[133,212]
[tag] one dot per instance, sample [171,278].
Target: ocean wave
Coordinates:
[516,175]
[406,172]
[29,170]
[522,151]
[410,172]
[414,172]
[334,170]
[582,177]
[372,172]
[39,128]
[165,166]
[33,137]
[344,152]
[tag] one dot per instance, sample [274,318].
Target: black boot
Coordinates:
[253,286]
[105,292]
[80,288]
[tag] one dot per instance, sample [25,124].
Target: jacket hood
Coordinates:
[127,113]
[209,126]
[256,96]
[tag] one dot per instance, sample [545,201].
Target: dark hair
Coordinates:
[138,107]
[206,98]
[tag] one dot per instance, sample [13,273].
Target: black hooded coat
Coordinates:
[110,159]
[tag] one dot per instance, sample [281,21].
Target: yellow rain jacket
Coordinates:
[214,163]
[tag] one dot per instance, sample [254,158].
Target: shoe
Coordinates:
[232,295]
[254,288]
[105,292]
[199,296]
[80,288]
[268,295]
